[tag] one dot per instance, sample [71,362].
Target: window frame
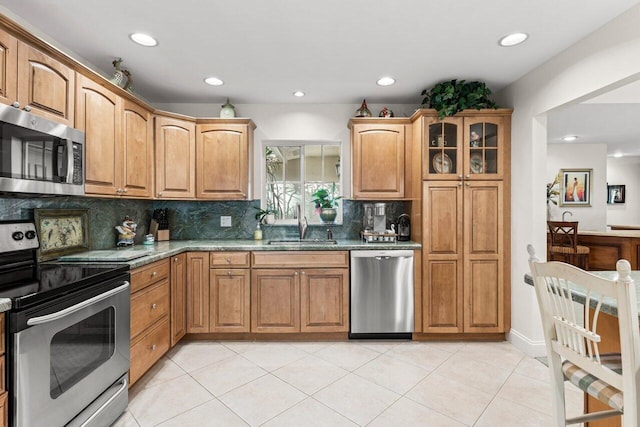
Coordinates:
[300,143]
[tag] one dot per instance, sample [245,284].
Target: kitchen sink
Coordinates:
[298,242]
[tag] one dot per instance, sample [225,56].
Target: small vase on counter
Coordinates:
[257,233]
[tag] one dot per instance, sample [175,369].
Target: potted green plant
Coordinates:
[327,203]
[265,215]
[553,194]
[448,98]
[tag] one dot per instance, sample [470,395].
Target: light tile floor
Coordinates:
[355,383]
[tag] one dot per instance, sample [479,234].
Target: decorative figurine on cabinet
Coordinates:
[227,111]
[363,111]
[126,231]
[385,112]
[118,75]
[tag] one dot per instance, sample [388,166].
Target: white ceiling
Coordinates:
[334,50]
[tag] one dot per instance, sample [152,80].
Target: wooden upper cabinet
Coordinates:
[223,153]
[378,158]
[469,145]
[137,163]
[45,85]
[8,68]
[99,116]
[175,148]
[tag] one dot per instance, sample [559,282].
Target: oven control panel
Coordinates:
[17,236]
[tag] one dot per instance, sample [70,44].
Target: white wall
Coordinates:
[625,171]
[582,156]
[606,59]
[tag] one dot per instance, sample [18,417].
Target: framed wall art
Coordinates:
[575,187]
[615,194]
[61,232]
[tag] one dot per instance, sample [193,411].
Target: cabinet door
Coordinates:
[175,144]
[137,151]
[8,68]
[197,292]
[222,161]
[442,148]
[442,250]
[378,161]
[324,300]
[99,116]
[484,257]
[178,297]
[230,296]
[45,85]
[275,300]
[485,148]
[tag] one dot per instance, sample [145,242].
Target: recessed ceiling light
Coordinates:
[386,81]
[513,39]
[213,81]
[144,39]
[617,154]
[569,138]
[298,93]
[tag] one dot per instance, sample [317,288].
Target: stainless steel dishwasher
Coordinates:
[381,294]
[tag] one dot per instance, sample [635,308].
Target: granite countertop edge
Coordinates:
[162,250]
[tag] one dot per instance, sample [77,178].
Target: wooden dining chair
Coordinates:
[573,343]
[564,244]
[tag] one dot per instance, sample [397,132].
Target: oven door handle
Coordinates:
[122,388]
[69,310]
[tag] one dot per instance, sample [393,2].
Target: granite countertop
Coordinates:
[608,306]
[140,255]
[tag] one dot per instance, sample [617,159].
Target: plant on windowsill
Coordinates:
[327,203]
[266,216]
[448,98]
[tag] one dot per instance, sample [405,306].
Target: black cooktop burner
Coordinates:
[32,284]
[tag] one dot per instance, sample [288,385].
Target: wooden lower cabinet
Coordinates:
[463,257]
[275,300]
[324,300]
[148,349]
[150,308]
[229,292]
[297,296]
[178,297]
[197,292]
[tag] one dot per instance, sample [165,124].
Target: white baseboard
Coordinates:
[527,346]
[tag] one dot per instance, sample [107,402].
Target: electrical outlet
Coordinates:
[225,221]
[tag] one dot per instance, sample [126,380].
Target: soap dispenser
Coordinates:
[257,233]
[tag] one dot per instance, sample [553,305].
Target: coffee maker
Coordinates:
[375,218]
[404,228]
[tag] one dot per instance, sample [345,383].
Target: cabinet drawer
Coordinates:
[304,259]
[229,259]
[148,350]
[144,276]
[149,305]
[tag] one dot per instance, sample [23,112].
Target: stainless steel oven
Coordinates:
[39,155]
[68,336]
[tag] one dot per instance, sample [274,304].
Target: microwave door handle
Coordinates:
[70,164]
[74,308]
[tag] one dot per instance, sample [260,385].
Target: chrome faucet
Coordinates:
[302,225]
[564,213]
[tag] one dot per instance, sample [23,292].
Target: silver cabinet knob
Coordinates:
[175,259]
[154,306]
[228,260]
[15,104]
[153,347]
[468,176]
[303,273]
[154,274]
[295,273]
[27,108]
[125,189]
[160,194]
[229,273]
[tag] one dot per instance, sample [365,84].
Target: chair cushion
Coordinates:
[569,250]
[595,386]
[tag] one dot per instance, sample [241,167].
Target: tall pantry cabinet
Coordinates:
[465,221]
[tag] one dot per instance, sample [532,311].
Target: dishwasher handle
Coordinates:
[382,254]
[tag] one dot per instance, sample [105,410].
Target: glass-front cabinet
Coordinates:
[468,148]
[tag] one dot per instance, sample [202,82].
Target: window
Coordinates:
[294,171]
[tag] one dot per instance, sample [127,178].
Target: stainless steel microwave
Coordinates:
[38,155]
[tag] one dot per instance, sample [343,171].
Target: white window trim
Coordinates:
[345,169]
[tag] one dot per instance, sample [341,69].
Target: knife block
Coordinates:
[160,235]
